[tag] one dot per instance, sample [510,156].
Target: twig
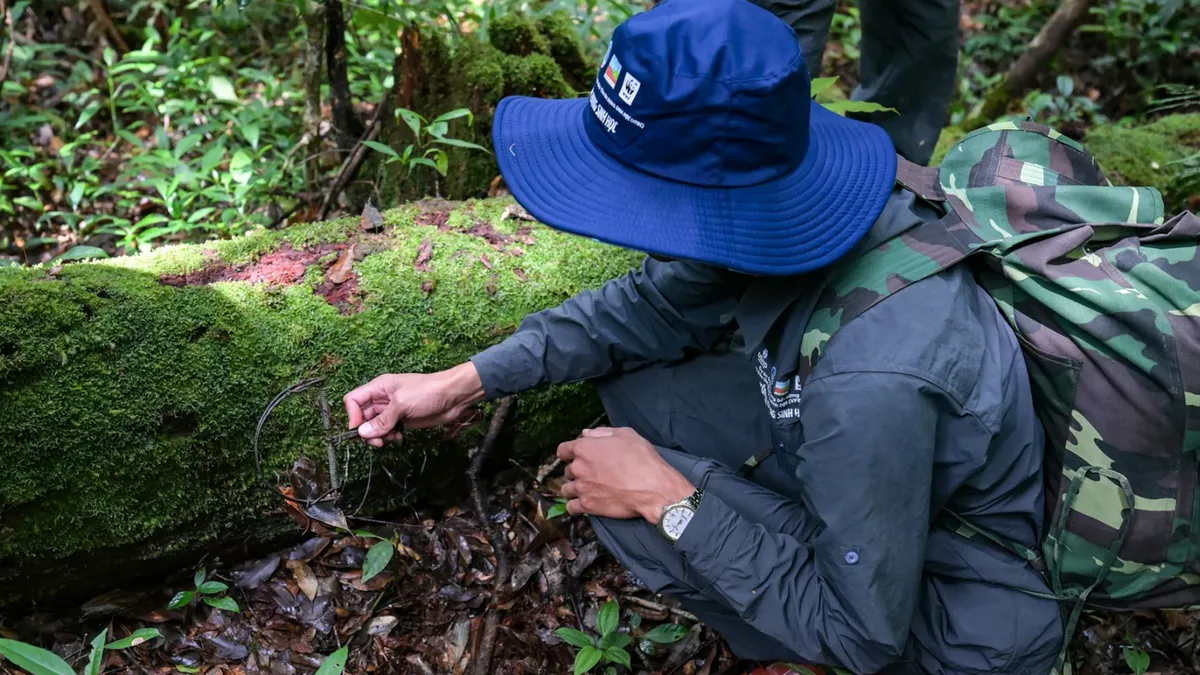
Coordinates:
[12,40]
[331,445]
[111,28]
[351,164]
[487,643]
[1031,63]
[648,604]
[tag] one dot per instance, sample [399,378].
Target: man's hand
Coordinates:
[416,401]
[618,474]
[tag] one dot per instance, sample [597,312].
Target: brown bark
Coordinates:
[1033,61]
[314,24]
[110,28]
[346,124]
[6,12]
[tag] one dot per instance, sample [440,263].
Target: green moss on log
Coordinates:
[1132,154]
[523,57]
[1150,154]
[130,388]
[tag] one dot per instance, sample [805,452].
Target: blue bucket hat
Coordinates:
[700,140]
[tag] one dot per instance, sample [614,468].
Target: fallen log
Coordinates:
[130,389]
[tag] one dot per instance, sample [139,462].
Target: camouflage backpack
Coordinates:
[1104,298]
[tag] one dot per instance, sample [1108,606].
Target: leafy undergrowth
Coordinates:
[411,597]
[405,597]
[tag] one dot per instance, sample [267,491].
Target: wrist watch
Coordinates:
[675,517]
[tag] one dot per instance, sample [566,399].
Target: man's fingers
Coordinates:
[599,432]
[575,507]
[566,451]
[569,472]
[381,424]
[570,490]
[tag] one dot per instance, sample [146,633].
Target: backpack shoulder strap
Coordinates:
[857,285]
[923,181]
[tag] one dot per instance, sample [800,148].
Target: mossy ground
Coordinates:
[1131,154]
[127,405]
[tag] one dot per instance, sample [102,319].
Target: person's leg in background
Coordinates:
[910,63]
[811,20]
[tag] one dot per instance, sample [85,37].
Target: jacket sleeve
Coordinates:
[846,596]
[655,313]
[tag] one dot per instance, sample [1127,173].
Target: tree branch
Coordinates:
[12,41]
[345,121]
[1032,62]
[110,27]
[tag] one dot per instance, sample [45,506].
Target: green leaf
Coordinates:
[187,143]
[377,560]
[462,144]
[843,107]
[212,587]
[437,129]
[200,577]
[586,659]
[29,203]
[617,655]
[615,639]
[76,195]
[635,620]
[455,114]
[609,616]
[666,633]
[556,511]
[88,113]
[189,669]
[443,162]
[368,535]
[1065,84]
[81,253]
[239,167]
[222,88]
[227,604]
[575,637]
[336,663]
[96,657]
[380,147]
[1138,660]
[251,132]
[36,660]
[182,599]
[412,119]
[153,219]
[138,637]
[820,84]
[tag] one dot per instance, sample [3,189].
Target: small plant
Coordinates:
[559,509]
[1136,658]
[39,661]
[820,84]
[210,592]
[424,151]
[1062,105]
[378,556]
[612,643]
[336,663]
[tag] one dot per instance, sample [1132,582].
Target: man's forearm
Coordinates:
[653,314]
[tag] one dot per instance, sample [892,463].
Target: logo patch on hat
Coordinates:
[613,72]
[629,88]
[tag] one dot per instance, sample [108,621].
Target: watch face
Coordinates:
[675,520]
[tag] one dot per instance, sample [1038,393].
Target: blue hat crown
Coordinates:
[713,93]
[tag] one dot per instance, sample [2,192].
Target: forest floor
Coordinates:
[427,612]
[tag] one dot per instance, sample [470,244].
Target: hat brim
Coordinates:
[797,223]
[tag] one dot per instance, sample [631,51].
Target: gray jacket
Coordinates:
[921,403]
